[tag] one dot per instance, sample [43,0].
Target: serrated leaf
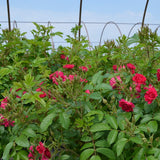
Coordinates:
[157,116]
[39,99]
[4,71]
[86,139]
[7,150]
[146,118]
[112,121]
[88,86]
[86,145]
[95,157]
[38,61]
[98,112]
[107,152]
[153,126]
[22,141]
[23,155]
[97,78]
[65,157]
[86,154]
[136,140]
[112,136]
[102,143]
[29,81]
[120,145]
[99,127]
[47,121]
[64,120]
[95,95]
[139,155]
[29,132]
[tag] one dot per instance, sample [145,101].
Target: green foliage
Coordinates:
[75,112]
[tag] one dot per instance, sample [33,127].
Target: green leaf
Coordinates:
[4,71]
[103,86]
[153,126]
[29,81]
[146,118]
[112,136]
[86,139]
[23,155]
[86,154]
[157,116]
[1,129]
[136,140]
[38,61]
[64,120]
[95,157]
[29,132]
[28,97]
[151,158]
[120,145]
[40,100]
[47,121]
[86,145]
[107,152]
[102,143]
[98,112]
[139,155]
[99,127]
[7,150]
[95,95]
[65,157]
[112,121]
[22,141]
[97,78]
[88,86]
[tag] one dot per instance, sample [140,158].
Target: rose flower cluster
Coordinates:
[138,82]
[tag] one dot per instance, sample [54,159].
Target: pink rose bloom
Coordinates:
[31,148]
[126,106]
[113,81]
[83,80]
[71,77]
[68,66]
[150,95]
[139,79]
[114,67]
[83,68]
[88,91]
[158,74]
[62,56]
[121,67]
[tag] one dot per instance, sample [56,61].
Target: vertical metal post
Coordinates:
[144,14]
[9,22]
[80,13]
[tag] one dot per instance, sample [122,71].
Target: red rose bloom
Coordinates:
[114,67]
[47,153]
[126,106]
[131,66]
[158,74]
[139,78]
[150,95]
[68,66]
[63,56]
[83,68]
[40,148]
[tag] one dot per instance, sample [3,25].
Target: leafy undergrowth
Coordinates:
[73,103]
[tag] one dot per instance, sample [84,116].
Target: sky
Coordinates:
[119,11]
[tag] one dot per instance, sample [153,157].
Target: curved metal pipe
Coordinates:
[133,28]
[111,22]
[87,34]
[52,42]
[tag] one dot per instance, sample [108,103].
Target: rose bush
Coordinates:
[74,103]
